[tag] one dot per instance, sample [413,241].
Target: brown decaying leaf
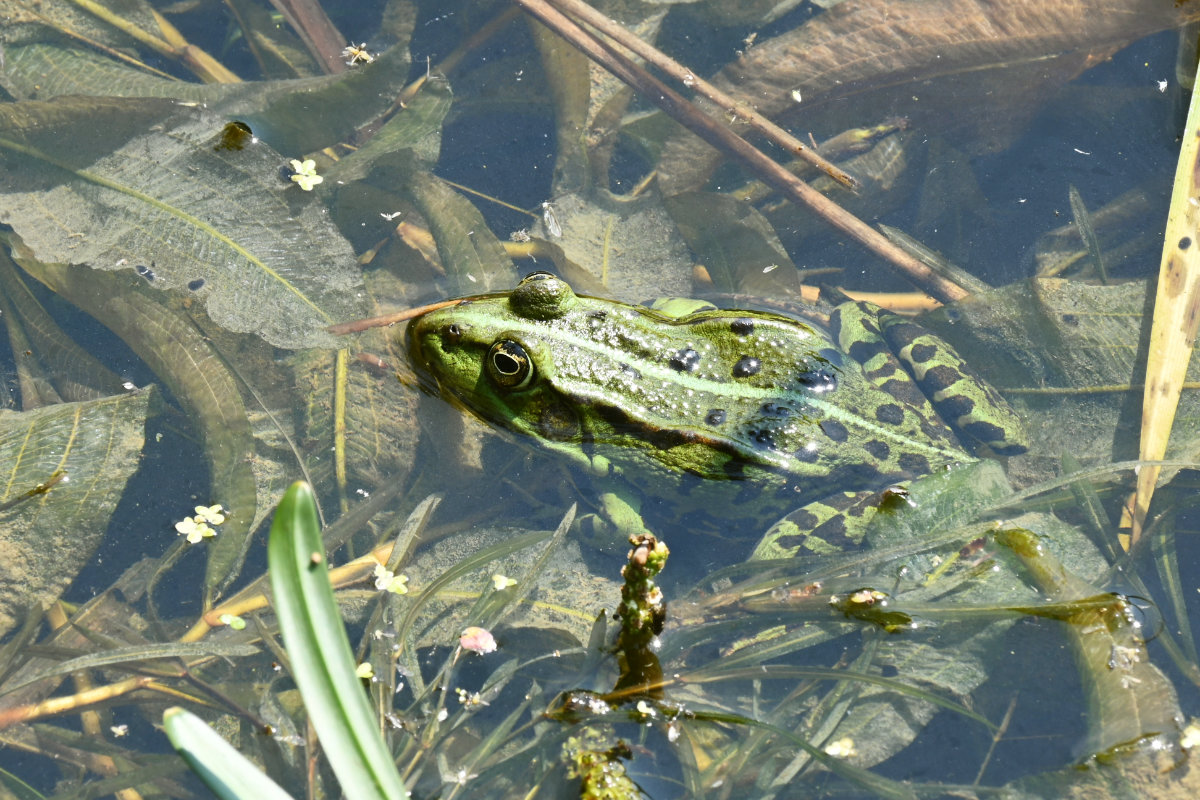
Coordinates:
[1176,317]
[939,58]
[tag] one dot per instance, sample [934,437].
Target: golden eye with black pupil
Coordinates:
[508,365]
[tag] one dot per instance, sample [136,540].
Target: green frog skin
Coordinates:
[748,414]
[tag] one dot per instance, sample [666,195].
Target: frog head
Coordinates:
[492,355]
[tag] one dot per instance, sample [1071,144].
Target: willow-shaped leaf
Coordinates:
[471,253]
[25,22]
[295,116]
[187,363]
[195,210]
[417,127]
[137,655]
[376,423]
[74,373]
[48,536]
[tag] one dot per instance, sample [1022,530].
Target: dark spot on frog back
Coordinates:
[865,350]
[914,464]
[746,367]
[835,430]
[993,435]
[877,449]
[775,410]
[938,379]
[900,334]
[890,414]
[904,391]
[956,409]
[742,327]
[804,520]
[685,360]
[763,438]
[833,532]
[921,353]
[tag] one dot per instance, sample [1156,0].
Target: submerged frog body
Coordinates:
[768,412]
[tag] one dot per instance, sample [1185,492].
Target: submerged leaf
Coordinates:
[418,126]
[1066,354]
[470,252]
[56,368]
[188,364]
[46,539]
[374,421]
[296,116]
[218,222]
[977,66]
[735,242]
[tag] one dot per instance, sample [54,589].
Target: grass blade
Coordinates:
[322,665]
[229,774]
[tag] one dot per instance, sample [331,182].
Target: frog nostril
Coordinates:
[452,334]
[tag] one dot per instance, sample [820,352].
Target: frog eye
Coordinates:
[508,365]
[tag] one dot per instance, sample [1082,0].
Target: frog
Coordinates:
[741,414]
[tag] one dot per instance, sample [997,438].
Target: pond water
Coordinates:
[172,263]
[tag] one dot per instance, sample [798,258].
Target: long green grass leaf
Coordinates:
[319,650]
[229,774]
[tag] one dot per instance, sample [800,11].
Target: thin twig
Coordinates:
[207,68]
[719,136]
[670,66]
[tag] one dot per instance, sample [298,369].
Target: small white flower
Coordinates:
[842,748]
[195,529]
[304,173]
[213,515]
[388,581]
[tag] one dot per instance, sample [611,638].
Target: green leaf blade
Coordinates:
[225,771]
[321,661]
